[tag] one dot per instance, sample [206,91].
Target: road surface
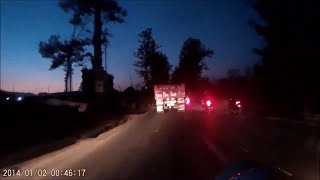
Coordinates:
[189,145]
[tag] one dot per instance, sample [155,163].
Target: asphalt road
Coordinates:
[191,145]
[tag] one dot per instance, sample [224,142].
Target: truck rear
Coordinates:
[170,97]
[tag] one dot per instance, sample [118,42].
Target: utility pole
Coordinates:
[131,82]
[71,76]
[0,71]
[105,57]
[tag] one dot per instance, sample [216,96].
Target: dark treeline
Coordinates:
[153,65]
[288,74]
[191,64]
[286,79]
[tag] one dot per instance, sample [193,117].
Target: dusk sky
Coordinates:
[222,25]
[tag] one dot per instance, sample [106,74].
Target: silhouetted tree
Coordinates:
[159,69]
[70,48]
[191,62]
[102,11]
[203,84]
[235,85]
[64,53]
[147,49]
[87,84]
[290,60]
[233,73]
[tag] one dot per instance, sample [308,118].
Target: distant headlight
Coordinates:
[19,99]
[7,98]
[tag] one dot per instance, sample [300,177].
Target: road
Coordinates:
[189,145]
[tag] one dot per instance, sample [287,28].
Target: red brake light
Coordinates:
[187,100]
[208,103]
[237,102]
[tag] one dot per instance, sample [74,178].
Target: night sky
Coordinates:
[222,25]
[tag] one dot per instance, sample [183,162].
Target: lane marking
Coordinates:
[157,130]
[244,149]
[214,150]
[286,120]
[286,172]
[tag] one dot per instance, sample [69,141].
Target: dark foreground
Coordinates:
[190,145]
[36,128]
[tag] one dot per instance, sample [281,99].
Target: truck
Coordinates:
[170,97]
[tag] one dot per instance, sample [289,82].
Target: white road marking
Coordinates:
[157,130]
[214,150]
[286,172]
[244,149]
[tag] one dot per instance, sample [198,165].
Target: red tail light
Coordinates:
[237,102]
[208,103]
[187,100]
